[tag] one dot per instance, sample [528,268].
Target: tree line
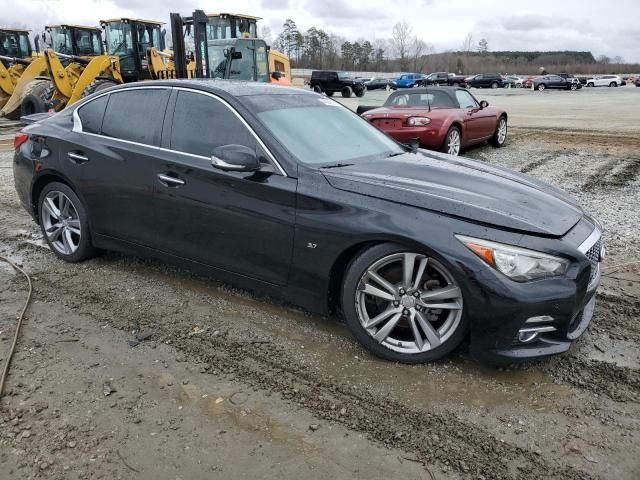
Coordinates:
[405,51]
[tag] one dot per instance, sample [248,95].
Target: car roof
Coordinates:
[450,91]
[234,88]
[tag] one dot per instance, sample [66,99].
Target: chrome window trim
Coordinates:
[77,123]
[590,241]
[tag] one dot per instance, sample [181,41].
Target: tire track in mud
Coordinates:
[538,163]
[615,173]
[434,437]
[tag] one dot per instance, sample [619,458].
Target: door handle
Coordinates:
[77,158]
[170,181]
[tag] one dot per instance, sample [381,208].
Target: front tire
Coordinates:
[317,89]
[541,87]
[346,92]
[494,85]
[500,136]
[613,84]
[64,223]
[402,305]
[590,84]
[360,93]
[329,94]
[573,87]
[453,142]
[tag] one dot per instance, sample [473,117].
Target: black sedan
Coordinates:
[288,192]
[556,82]
[376,83]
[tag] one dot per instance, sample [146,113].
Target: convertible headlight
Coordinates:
[519,264]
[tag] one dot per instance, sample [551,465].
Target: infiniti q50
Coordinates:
[287,192]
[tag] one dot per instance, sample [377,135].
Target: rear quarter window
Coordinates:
[136,115]
[92,113]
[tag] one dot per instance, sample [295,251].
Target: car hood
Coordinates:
[462,188]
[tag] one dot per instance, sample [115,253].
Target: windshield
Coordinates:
[118,37]
[339,136]
[61,40]
[343,76]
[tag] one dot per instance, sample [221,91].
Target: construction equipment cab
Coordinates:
[129,39]
[225,46]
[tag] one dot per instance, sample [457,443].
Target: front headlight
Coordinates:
[519,264]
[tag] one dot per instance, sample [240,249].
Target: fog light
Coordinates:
[540,319]
[529,334]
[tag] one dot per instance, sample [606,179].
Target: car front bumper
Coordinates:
[514,321]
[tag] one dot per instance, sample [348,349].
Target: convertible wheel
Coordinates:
[452,142]
[403,305]
[63,221]
[500,136]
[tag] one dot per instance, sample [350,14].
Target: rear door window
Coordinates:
[202,123]
[136,115]
[92,113]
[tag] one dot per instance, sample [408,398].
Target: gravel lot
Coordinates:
[230,384]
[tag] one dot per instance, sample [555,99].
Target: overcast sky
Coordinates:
[602,27]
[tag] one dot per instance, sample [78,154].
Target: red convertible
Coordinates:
[439,118]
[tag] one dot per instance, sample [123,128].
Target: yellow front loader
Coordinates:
[19,65]
[73,67]
[76,80]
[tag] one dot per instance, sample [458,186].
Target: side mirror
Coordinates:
[484,104]
[237,158]
[276,75]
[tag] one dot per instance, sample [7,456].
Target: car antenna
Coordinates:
[428,101]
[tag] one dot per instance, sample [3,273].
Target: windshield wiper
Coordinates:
[337,165]
[396,154]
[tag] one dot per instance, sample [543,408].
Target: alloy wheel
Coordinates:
[409,302]
[61,222]
[453,146]
[502,131]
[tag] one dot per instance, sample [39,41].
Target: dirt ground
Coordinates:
[228,384]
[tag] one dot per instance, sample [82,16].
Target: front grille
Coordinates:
[593,254]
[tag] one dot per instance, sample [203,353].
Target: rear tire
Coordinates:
[453,142]
[360,93]
[573,87]
[541,87]
[37,88]
[613,84]
[494,85]
[347,92]
[64,223]
[329,94]
[317,89]
[500,135]
[590,84]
